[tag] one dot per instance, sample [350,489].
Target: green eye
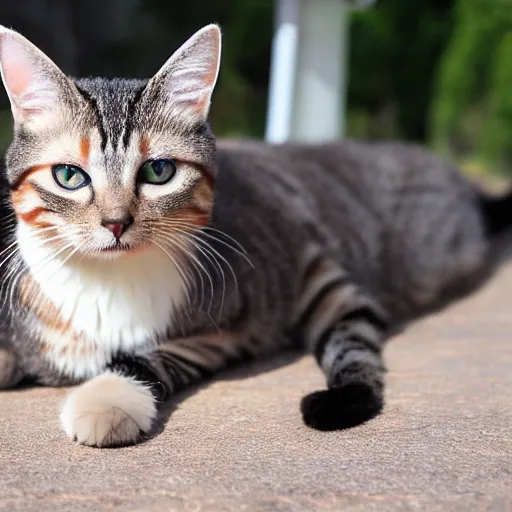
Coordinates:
[157,172]
[70,177]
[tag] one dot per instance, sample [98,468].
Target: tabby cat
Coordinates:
[139,257]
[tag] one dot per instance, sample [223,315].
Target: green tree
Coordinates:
[395,47]
[472,107]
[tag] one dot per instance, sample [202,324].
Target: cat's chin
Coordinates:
[118,251]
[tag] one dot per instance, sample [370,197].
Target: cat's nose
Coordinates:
[118,226]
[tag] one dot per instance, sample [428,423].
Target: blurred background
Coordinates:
[438,72]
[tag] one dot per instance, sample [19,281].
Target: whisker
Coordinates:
[10,224]
[197,262]
[12,287]
[7,248]
[194,263]
[241,252]
[15,248]
[211,255]
[47,228]
[212,250]
[218,231]
[67,258]
[178,267]
[14,260]
[52,257]
[211,258]
[209,228]
[8,278]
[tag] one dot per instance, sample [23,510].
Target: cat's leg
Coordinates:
[12,369]
[345,329]
[118,406]
[11,372]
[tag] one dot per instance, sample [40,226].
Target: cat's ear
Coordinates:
[34,84]
[186,81]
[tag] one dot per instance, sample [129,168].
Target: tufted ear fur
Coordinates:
[34,84]
[186,81]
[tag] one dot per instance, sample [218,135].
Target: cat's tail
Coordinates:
[497,213]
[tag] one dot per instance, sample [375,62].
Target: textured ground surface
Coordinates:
[444,442]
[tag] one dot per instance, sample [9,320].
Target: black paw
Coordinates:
[339,408]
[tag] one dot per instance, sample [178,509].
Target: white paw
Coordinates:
[108,410]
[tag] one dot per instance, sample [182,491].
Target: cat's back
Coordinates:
[388,181]
[370,167]
[400,219]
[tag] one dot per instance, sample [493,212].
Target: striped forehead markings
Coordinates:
[115,111]
[91,100]
[130,115]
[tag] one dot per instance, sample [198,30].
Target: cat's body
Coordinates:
[332,248]
[404,224]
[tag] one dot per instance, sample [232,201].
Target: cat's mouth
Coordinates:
[120,249]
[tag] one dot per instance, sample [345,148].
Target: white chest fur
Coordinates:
[109,306]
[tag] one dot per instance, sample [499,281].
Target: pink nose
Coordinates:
[118,227]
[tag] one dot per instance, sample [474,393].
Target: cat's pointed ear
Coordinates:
[186,81]
[34,84]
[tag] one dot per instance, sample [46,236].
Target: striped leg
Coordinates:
[176,364]
[120,404]
[345,330]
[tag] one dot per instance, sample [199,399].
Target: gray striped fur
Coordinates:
[331,247]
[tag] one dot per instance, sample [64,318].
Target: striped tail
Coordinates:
[497,213]
[345,330]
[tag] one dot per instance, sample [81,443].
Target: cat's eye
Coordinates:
[157,172]
[70,177]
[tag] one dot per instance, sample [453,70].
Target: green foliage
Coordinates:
[472,106]
[496,143]
[395,47]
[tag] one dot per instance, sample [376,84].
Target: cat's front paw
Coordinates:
[109,410]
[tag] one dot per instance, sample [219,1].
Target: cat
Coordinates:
[141,257]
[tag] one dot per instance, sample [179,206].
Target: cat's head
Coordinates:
[107,168]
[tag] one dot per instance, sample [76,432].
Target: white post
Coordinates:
[319,106]
[282,72]
[308,75]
